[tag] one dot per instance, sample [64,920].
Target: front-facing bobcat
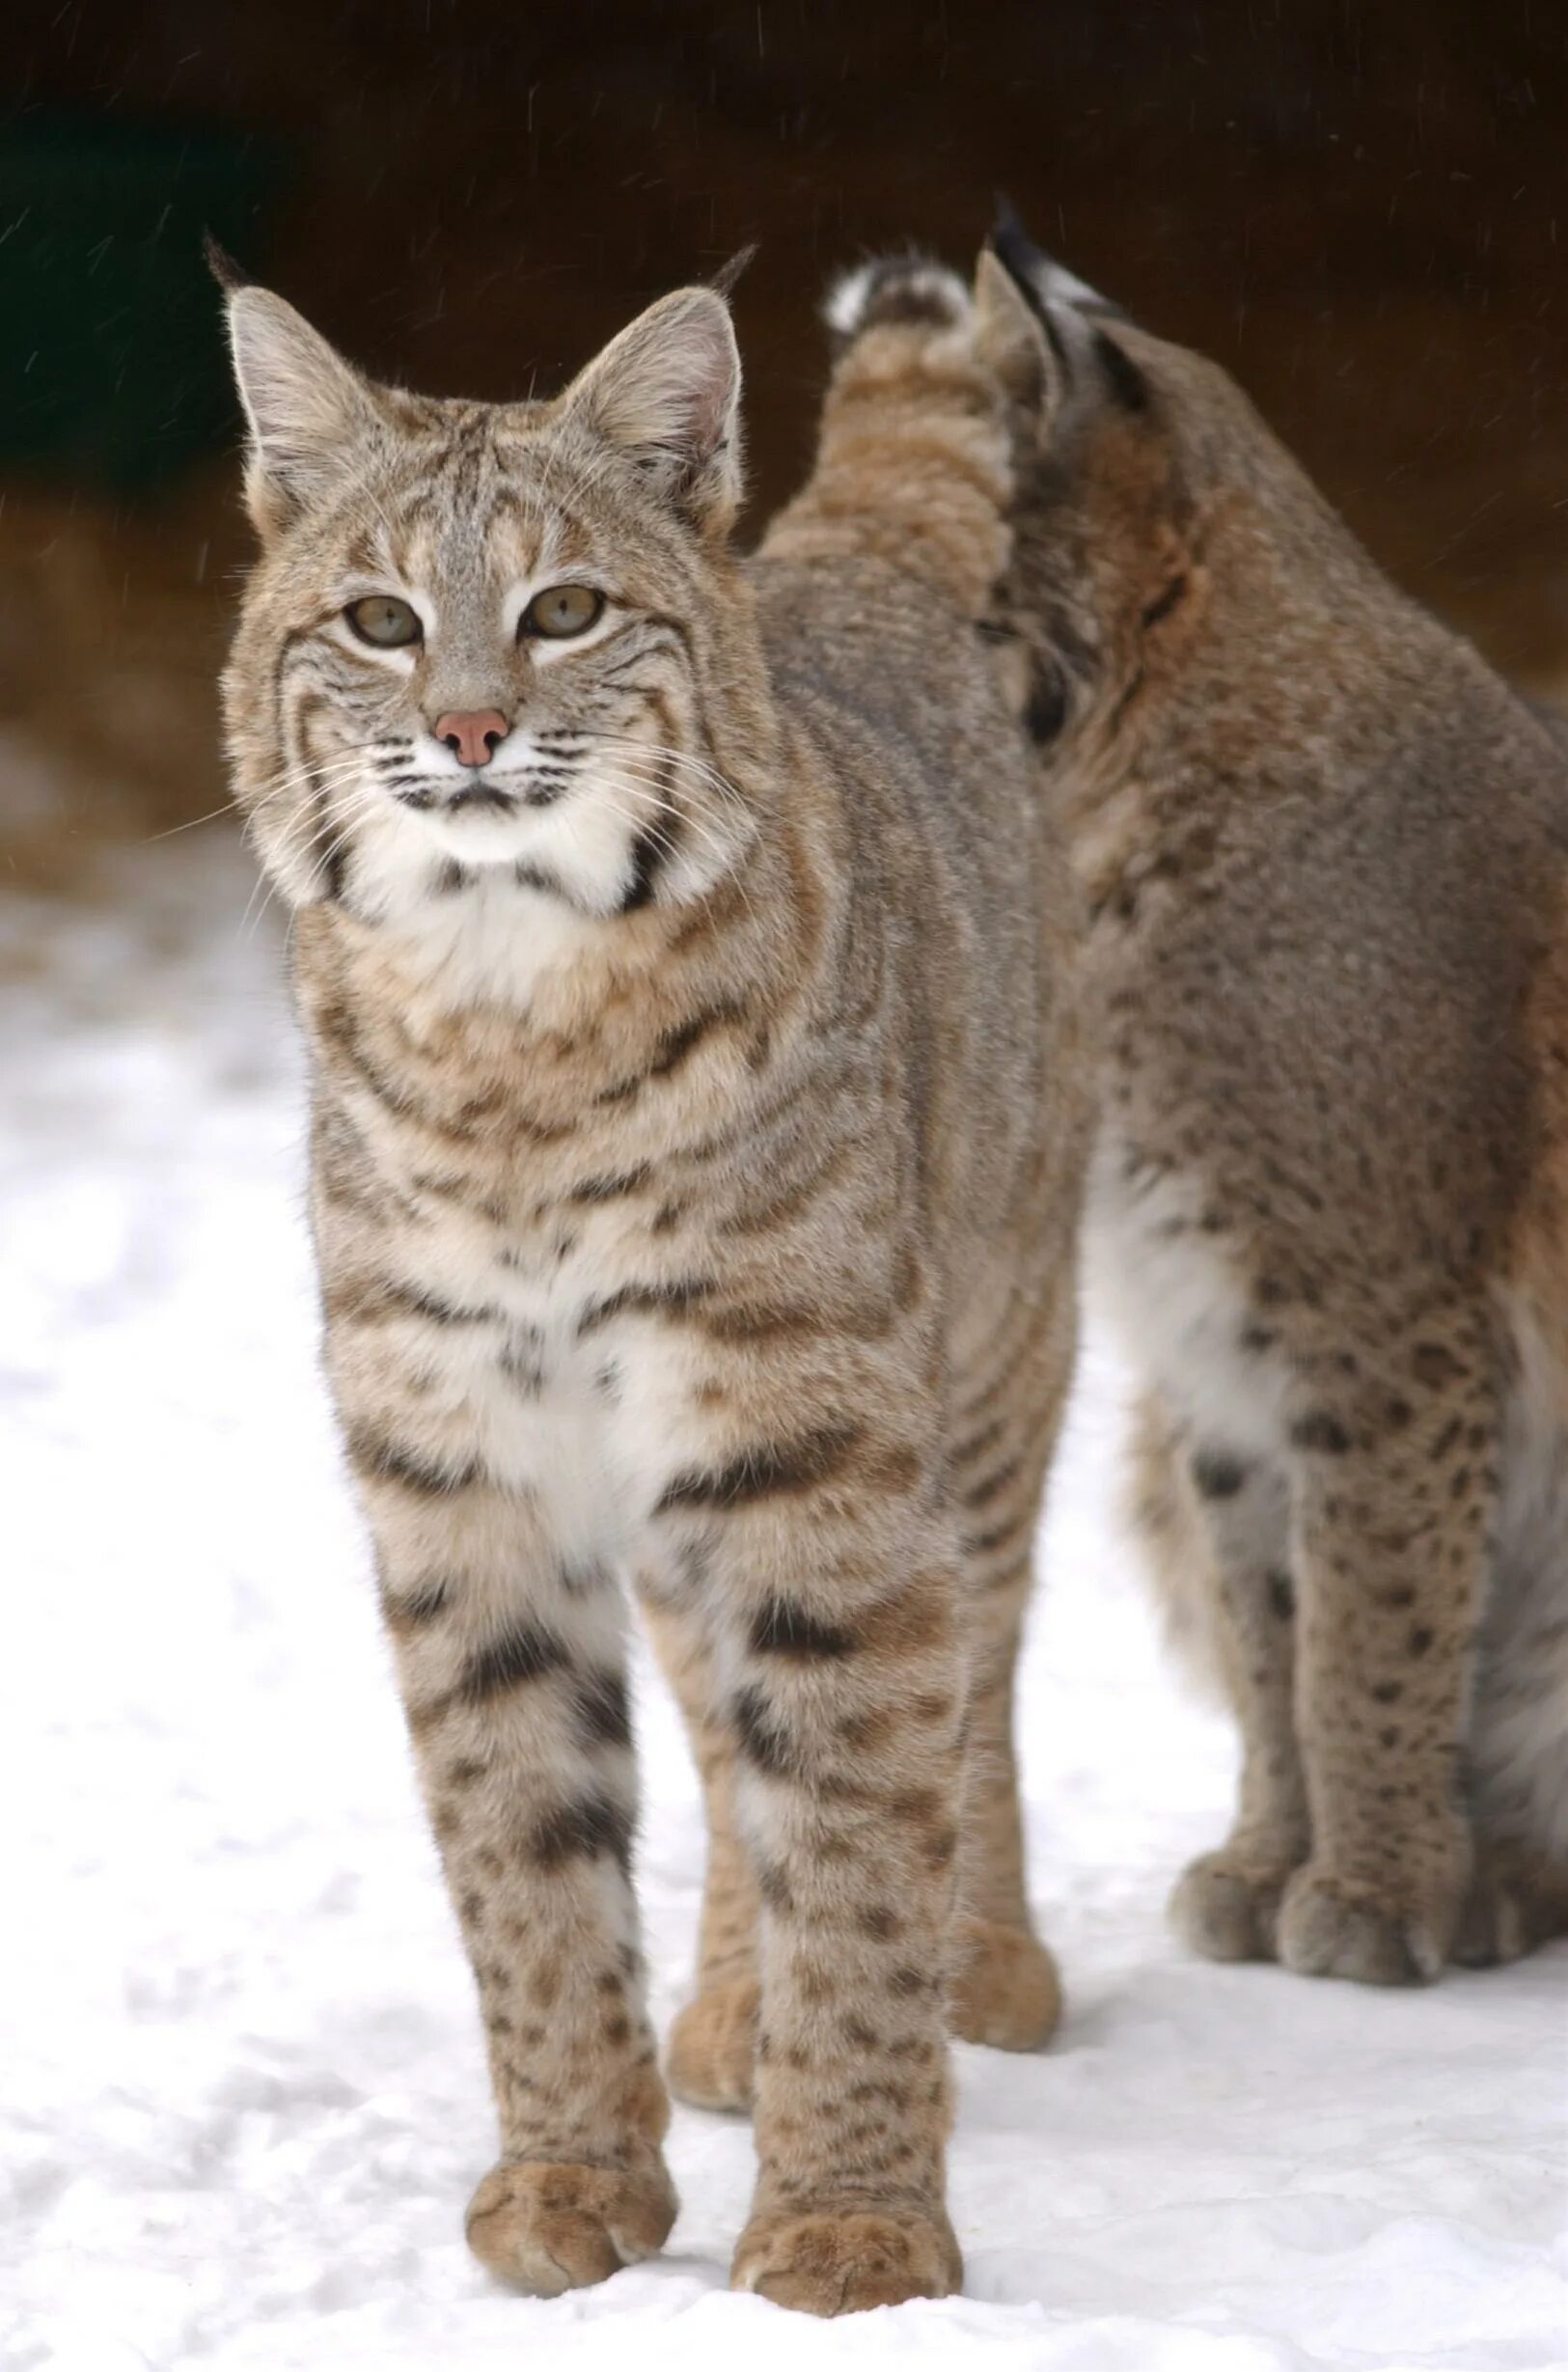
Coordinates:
[697,1125]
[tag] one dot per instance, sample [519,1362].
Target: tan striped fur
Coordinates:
[699,1112]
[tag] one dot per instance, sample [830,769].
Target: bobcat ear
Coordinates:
[306,409]
[1084,357]
[666,393]
[1011,339]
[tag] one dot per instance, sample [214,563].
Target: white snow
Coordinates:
[243,2100]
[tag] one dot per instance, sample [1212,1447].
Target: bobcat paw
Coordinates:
[1517,1901]
[840,2261]
[1330,1926]
[713,2047]
[1228,1909]
[548,2228]
[1005,1990]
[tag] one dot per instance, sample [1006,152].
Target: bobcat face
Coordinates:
[476,643]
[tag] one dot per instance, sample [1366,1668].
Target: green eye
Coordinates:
[562,609]
[385,621]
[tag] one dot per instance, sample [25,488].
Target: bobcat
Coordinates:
[700,1105]
[1324,855]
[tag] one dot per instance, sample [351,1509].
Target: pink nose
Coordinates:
[471,735]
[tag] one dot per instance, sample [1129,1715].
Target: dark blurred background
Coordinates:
[1362,210]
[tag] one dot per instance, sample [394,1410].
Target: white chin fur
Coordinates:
[482,835]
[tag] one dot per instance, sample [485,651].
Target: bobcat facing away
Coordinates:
[697,1116]
[1324,855]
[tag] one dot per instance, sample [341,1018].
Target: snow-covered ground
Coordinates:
[243,2099]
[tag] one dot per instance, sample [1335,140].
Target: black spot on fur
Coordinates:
[1164,603]
[527,1651]
[774,1888]
[582,1832]
[676,1044]
[413,1302]
[651,850]
[783,1627]
[1282,1594]
[763,1745]
[772,1466]
[606,1189]
[389,1463]
[334,857]
[602,1711]
[1047,710]
[1215,1476]
[1320,1430]
[645,1301]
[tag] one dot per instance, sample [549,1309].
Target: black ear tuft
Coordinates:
[1007,218]
[1013,248]
[222,267]
[726,276]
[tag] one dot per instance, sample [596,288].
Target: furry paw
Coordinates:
[1517,1901]
[898,290]
[713,2048]
[548,2228]
[1228,1909]
[842,2260]
[1005,1990]
[1330,1926]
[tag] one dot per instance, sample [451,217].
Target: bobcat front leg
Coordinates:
[1393,1493]
[511,1658]
[832,1591]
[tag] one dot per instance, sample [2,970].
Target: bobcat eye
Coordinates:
[385,621]
[561,610]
